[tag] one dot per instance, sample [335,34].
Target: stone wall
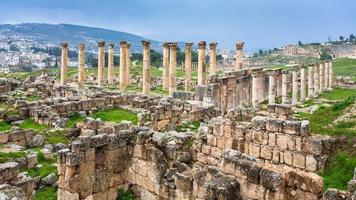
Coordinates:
[269,140]
[224,161]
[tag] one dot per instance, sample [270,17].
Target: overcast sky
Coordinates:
[260,23]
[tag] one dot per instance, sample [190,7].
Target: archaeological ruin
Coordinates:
[248,144]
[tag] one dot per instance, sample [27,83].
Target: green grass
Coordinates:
[4,126]
[345,67]
[125,195]
[47,166]
[33,97]
[31,124]
[339,171]
[116,115]
[54,137]
[338,94]
[192,126]
[10,156]
[46,193]
[74,119]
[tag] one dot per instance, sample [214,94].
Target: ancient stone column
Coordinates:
[316,79]
[326,75]
[302,84]
[331,72]
[128,65]
[81,71]
[123,73]
[254,90]
[294,85]
[172,68]
[310,81]
[239,55]
[64,64]
[188,66]
[111,64]
[321,77]
[285,87]
[272,88]
[213,66]
[146,76]
[165,77]
[201,63]
[101,63]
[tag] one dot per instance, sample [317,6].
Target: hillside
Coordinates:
[73,34]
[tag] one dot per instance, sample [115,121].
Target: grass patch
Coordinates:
[74,119]
[10,156]
[125,195]
[339,171]
[338,94]
[4,126]
[31,124]
[54,137]
[47,168]
[46,193]
[116,115]
[192,126]
[345,67]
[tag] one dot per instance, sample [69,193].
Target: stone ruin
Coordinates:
[238,152]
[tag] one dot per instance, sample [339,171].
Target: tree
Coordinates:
[300,43]
[325,56]
[260,52]
[352,38]
[341,38]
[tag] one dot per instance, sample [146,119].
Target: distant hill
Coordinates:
[73,34]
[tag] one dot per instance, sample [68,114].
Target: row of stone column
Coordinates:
[318,79]
[169,64]
[125,64]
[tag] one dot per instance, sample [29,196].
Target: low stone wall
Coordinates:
[8,85]
[269,140]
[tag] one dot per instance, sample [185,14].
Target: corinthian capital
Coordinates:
[64,44]
[111,45]
[173,45]
[166,44]
[213,45]
[240,45]
[202,45]
[123,44]
[101,44]
[146,44]
[188,45]
[81,47]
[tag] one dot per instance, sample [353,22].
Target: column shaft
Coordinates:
[213,65]
[111,64]
[81,61]
[201,63]
[316,79]
[172,68]
[272,89]
[64,64]
[310,81]
[165,77]
[128,65]
[123,73]
[188,66]
[294,86]
[146,76]
[302,84]
[239,55]
[285,87]
[254,96]
[331,75]
[321,77]
[101,63]
[326,76]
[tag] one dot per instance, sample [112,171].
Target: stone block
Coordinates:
[288,157]
[99,140]
[4,138]
[259,122]
[290,142]
[291,127]
[282,141]
[254,150]
[313,145]
[206,149]
[311,164]
[299,160]
[272,139]
[266,152]
[8,171]
[272,179]
[274,125]
[216,152]
[260,137]
[211,140]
